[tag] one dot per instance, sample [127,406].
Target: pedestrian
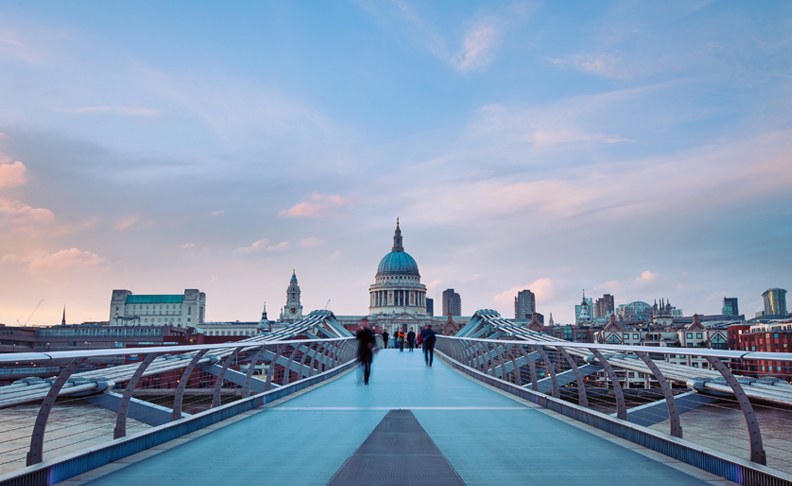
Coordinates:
[385,337]
[366,342]
[428,339]
[411,340]
[400,341]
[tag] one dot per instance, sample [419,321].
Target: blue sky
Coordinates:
[635,148]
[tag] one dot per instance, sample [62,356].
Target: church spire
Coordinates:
[397,238]
[63,321]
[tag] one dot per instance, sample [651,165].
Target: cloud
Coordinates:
[477,47]
[607,65]
[312,242]
[544,289]
[66,259]
[263,246]
[335,256]
[12,46]
[646,278]
[318,205]
[117,110]
[216,213]
[187,246]
[12,174]
[14,214]
[433,284]
[127,222]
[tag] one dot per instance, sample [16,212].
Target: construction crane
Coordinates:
[328,303]
[31,314]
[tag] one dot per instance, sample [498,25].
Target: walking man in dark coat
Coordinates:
[428,342]
[385,337]
[366,342]
[411,340]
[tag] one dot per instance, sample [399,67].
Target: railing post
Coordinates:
[312,370]
[271,369]
[287,373]
[251,369]
[35,454]
[757,449]
[517,377]
[582,398]
[550,366]
[621,408]
[531,368]
[123,407]
[218,389]
[179,397]
[665,387]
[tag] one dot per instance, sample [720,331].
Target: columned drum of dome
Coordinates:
[397,288]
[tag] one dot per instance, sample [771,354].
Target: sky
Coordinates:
[642,149]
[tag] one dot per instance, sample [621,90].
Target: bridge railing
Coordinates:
[174,382]
[705,392]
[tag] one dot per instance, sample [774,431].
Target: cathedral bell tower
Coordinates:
[292,311]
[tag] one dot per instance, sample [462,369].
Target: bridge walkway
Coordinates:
[488,437]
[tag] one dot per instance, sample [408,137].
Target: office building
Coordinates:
[775,303]
[730,307]
[604,306]
[524,305]
[452,303]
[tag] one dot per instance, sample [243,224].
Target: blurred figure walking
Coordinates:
[428,340]
[411,340]
[366,343]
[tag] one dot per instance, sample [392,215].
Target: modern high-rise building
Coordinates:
[730,307]
[430,307]
[775,303]
[604,306]
[524,304]
[452,303]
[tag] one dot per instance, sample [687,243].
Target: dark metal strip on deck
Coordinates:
[398,452]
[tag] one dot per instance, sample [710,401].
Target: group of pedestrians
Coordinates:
[367,341]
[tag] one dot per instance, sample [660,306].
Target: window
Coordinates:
[698,335]
[690,335]
[636,336]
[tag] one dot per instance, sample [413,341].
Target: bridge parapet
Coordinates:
[251,369]
[636,386]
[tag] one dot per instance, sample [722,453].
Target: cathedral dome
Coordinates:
[398,263]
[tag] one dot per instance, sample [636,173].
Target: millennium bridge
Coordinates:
[500,405]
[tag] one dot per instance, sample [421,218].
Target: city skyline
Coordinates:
[637,150]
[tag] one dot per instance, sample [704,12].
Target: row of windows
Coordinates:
[231,333]
[107,332]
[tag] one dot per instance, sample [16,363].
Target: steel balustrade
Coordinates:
[334,352]
[483,356]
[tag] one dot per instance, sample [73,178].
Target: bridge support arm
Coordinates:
[757,450]
[179,396]
[665,387]
[621,408]
[123,407]
[36,453]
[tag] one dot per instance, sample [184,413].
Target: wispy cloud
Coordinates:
[477,46]
[262,246]
[14,214]
[116,110]
[58,261]
[318,205]
[11,45]
[127,222]
[187,246]
[312,242]
[608,65]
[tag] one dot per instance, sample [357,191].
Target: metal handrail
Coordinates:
[715,353]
